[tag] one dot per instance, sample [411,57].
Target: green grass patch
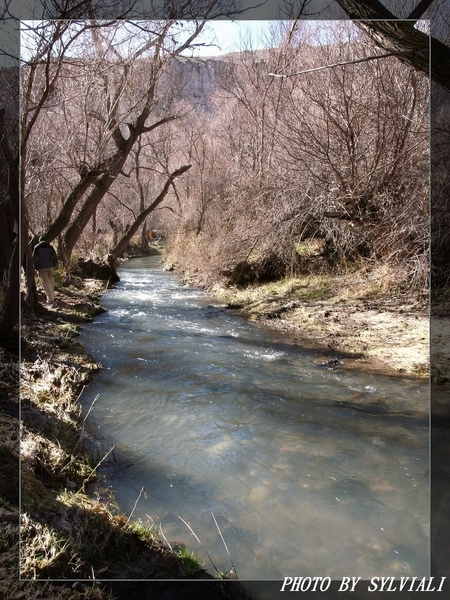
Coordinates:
[302,249]
[68,330]
[145,531]
[190,562]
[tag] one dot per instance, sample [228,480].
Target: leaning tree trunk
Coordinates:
[122,244]
[104,182]
[72,200]
[401,38]
[89,207]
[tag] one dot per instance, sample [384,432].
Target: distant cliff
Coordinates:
[196,79]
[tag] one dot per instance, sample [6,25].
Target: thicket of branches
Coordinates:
[95,101]
[335,158]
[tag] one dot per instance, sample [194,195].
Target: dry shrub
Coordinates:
[200,259]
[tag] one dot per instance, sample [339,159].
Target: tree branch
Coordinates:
[120,247]
[122,203]
[420,9]
[158,124]
[395,35]
[339,64]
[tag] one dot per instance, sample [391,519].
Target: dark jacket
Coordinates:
[44,256]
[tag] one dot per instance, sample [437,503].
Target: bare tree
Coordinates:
[392,26]
[122,114]
[53,41]
[338,154]
[401,37]
[55,44]
[121,245]
[357,134]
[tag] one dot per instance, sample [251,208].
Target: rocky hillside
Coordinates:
[196,78]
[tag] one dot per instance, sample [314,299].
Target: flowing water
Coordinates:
[307,470]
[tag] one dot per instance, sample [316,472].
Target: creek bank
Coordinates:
[64,532]
[362,316]
[89,535]
[57,327]
[354,315]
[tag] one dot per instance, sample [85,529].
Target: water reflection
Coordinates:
[307,470]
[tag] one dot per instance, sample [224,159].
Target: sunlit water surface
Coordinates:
[308,471]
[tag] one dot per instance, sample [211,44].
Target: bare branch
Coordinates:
[158,124]
[339,64]
[396,35]
[122,203]
[420,9]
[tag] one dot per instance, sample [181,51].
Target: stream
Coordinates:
[280,465]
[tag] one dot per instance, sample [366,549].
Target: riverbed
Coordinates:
[280,464]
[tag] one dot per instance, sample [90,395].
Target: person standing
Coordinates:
[45,260]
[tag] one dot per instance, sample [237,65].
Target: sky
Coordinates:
[227,35]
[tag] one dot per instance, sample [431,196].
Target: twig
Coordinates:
[194,534]
[135,504]
[151,519]
[338,64]
[84,420]
[162,533]
[190,529]
[97,466]
[226,548]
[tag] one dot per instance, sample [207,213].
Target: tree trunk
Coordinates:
[395,35]
[144,236]
[104,182]
[9,240]
[122,244]
[63,219]
[115,231]
[31,297]
[75,230]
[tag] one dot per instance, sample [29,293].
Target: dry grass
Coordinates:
[382,283]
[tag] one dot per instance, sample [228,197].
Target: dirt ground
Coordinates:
[377,335]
